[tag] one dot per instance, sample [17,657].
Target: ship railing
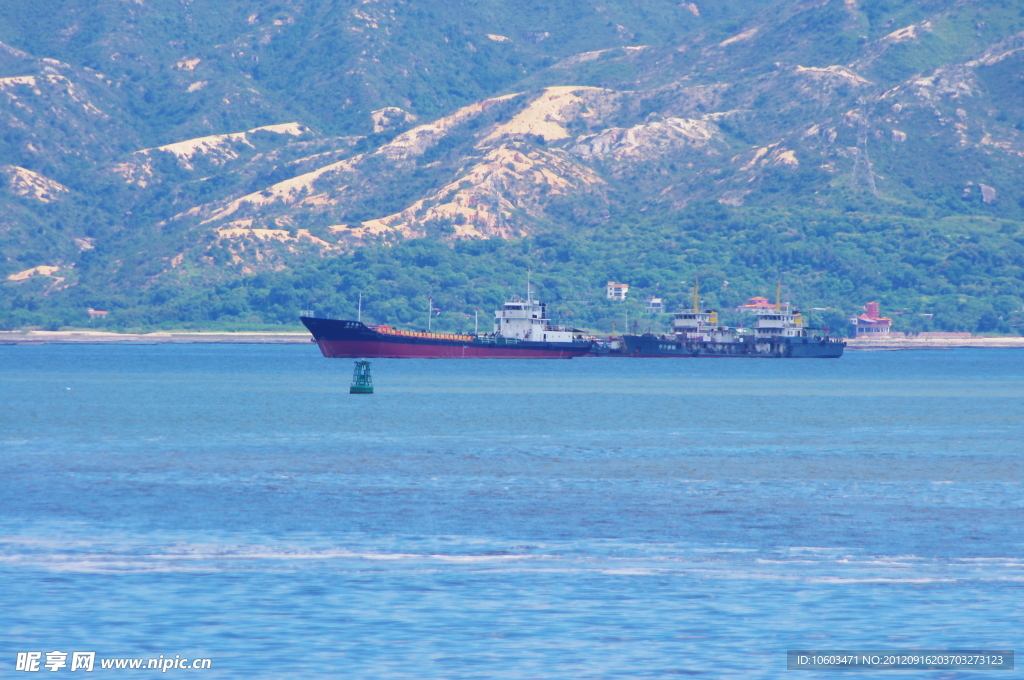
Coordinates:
[497,340]
[388,330]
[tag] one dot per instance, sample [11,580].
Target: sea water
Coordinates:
[593,518]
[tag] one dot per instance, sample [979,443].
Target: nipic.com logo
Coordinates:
[32,662]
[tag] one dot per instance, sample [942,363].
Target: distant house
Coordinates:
[655,305]
[755,303]
[617,291]
[97,313]
[871,323]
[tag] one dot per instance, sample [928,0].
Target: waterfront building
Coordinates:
[871,323]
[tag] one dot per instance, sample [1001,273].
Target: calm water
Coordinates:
[594,518]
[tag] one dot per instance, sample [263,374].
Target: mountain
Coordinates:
[175,162]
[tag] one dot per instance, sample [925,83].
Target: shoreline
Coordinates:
[159,337]
[894,344]
[301,337]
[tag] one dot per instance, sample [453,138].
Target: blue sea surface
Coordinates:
[593,518]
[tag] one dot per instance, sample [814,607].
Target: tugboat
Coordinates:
[778,333]
[521,331]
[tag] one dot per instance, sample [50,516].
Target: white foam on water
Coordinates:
[479,558]
[88,556]
[36,541]
[795,562]
[878,579]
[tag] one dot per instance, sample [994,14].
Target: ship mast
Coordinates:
[778,295]
[696,294]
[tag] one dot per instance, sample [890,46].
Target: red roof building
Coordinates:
[756,303]
[871,323]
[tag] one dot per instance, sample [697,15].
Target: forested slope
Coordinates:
[227,164]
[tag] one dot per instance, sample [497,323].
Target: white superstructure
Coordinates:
[690,325]
[527,320]
[688,322]
[780,321]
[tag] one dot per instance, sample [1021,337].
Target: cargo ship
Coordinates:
[779,332]
[521,331]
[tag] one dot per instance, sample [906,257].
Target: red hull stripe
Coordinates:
[355,349]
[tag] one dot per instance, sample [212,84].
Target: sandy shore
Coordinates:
[99,337]
[932,343]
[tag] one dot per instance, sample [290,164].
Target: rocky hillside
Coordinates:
[171,144]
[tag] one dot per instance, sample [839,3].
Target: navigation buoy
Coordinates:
[362,383]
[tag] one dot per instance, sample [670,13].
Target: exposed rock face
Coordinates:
[390,117]
[415,142]
[217,149]
[834,73]
[519,152]
[41,270]
[23,182]
[769,111]
[647,140]
[497,195]
[547,115]
[485,201]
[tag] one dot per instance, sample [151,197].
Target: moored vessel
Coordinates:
[779,332]
[521,331]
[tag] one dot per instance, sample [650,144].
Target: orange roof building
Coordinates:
[617,291]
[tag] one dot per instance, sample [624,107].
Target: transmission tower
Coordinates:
[861,163]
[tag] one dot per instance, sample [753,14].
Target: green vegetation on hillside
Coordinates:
[965,275]
[724,148]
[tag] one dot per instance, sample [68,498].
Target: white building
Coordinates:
[617,291]
[655,305]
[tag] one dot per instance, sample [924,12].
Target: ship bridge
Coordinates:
[527,320]
[779,321]
[689,321]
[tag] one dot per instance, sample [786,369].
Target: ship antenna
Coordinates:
[430,311]
[696,294]
[529,295]
[360,315]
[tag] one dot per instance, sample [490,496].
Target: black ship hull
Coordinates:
[649,345]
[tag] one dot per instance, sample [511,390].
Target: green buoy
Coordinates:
[362,383]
